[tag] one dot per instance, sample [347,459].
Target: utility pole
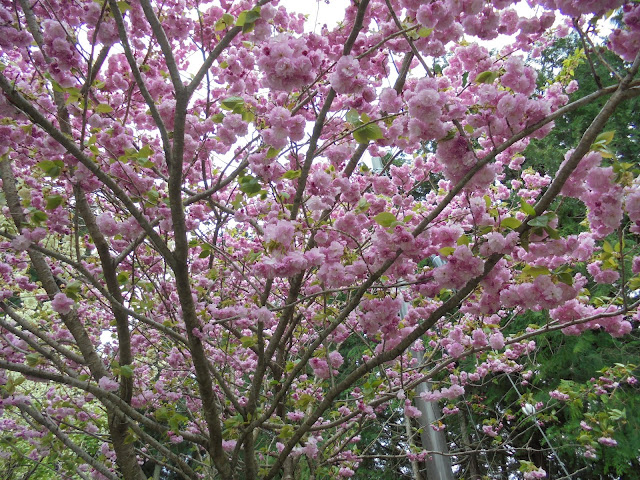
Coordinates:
[438,465]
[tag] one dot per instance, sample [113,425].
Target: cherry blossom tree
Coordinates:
[194,246]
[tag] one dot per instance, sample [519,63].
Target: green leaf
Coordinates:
[51,168]
[272,152]
[526,208]
[72,290]
[161,414]
[247,115]
[153,195]
[144,152]
[451,134]
[248,342]
[540,221]
[233,422]
[535,271]
[291,174]
[123,6]
[363,205]
[524,240]
[123,277]
[463,240]
[249,185]
[39,216]
[385,219]
[131,437]
[605,137]
[54,201]
[103,108]
[237,201]
[510,222]
[217,118]
[33,359]
[465,79]
[565,278]
[425,32]
[248,17]
[232,103]
[367,133]
[446,251]
[286,432]
[552,232]
[225,21]
[353,117]
[126,371]
[486,77]
[176,420]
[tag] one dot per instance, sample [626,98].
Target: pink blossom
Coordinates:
[496,341]
[533,474]
[295,416]
[411,411]
[107,224]
[390,101]
[20,242]
[62,304]
[335,359]
[286,62]
[607,441]
[320,367]
[346,78]
[563,397]
[108,384]
[346,472]
[489,430]
[228,445]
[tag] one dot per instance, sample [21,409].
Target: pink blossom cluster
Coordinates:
[62,51]
[109,227]
[626,41]
[379,315]
[449,393]
[325,367]
[534,474]
[607,276]
[107,32]
[543,292]
[282,126]
[575,8]
[607,441]
[287,63]
[632,206]
[461,265]
[425,102]
[62,304]
[596,187]
[9,36]
[573,310]
[558,395]
[457,159]
[347,77]
[411,411]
